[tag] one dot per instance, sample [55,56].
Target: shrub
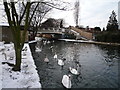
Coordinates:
[107,36]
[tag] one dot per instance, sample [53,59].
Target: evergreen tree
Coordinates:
[112,23]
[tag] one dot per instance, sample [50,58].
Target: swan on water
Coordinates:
[74,71]
[66,81]
[44,42]
[51,47]
[46,60]
[38,49]
[48,42]
[60,62]
[55,56]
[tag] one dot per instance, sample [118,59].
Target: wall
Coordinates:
[6,34]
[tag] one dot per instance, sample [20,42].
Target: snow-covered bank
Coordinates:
[0,76]
[73,40]
[90,42]
[27,78]
[36,39]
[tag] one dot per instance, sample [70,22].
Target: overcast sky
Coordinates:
[92,12]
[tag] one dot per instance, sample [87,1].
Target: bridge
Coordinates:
[80,34]
[50,34]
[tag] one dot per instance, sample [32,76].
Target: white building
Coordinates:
[119,14]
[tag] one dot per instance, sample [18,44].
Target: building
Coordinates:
[119,14]
[52,23]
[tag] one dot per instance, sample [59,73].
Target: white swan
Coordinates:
[55,56]
[74,71]
[66,81]
[51,47]
[48,42]
[46,60]
[60,62]
[38,49]
[45,42]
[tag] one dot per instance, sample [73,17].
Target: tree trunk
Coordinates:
[17,66]
[15,24]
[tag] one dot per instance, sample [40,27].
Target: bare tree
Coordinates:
[39,15]
[42,10]
[15,22]
[16,18]
[76,13]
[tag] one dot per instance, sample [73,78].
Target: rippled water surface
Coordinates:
[98,64]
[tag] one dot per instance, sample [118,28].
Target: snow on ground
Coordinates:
[0,74]
[26,78]
[1,48]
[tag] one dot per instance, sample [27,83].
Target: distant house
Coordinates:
[52,24]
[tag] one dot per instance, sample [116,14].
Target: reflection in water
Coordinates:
[98,64]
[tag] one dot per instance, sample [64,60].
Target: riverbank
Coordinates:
[90,42]
[26,78]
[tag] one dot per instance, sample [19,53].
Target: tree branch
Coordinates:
[26,23]
[53,6]
[14,9]
[21,17]
[7,10]
[33,13]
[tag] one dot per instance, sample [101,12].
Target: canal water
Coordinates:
[98,64]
